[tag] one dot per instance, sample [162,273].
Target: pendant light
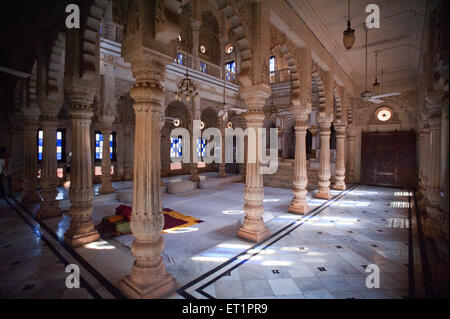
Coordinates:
[376,83]
[349,34]
[186,87]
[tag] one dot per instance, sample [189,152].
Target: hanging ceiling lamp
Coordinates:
[349,34]
[376,83]
[186,87]
[271,110]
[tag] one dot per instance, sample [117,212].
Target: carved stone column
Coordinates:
[350,176]
[253,227]
[81,230]
[193,167]
[49,179]
[148,277]
[30,127]
[128,164]
[434,162]
[223,165]
[299,204]
[340,158]
[423,173]
[106,186]
[324,169]
[285,137]
[195,44]
[16,150]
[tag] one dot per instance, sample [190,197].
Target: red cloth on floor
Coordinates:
[125,211]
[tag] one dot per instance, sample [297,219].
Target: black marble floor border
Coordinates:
[94,272]
[38,233]
[182,291]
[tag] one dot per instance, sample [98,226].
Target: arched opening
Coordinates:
[209,44]
[172,146]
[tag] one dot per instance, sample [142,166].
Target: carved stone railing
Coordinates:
[280,76]
[206,67]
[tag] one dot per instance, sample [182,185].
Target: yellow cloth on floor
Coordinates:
[190,221]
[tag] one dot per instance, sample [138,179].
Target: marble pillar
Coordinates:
[253,227]
[340,158]
[106,186]
[16,150]
[350,172]
[128,162]
[81,230]
[434,163]
[49,179]
[223,165]
[285,143]
[423,160]
[30,169]
[193,167]
[195,44]
[324,168]
[148,277]
[299,203]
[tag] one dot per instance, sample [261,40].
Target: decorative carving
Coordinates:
[160,16]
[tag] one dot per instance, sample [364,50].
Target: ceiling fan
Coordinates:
[368,95]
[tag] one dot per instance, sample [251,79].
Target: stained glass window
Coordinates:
[203,67]
[201,148]
[272,64]
[99,146]
[176,147]
[59,145]
[179,59]
[230,68]
[40,144]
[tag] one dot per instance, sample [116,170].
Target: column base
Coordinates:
[339,187]
[300,209]
[81,239]
[107,189]
[194,178]
[254,236]
[323,194]
[166,285]
[222,173]
[49,210]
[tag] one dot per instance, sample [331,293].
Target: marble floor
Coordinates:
[324,254]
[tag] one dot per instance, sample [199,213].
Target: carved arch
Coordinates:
[238,14]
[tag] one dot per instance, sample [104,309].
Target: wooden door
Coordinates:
[388,159]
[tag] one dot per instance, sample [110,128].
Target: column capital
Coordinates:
[255,96]
[195,24]
[31,115]
[301,114]
[49,108]
[435,122]
[105,125]
[340,130]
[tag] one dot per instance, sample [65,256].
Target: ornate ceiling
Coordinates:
[398,39]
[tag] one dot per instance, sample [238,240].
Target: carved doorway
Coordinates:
[388,159]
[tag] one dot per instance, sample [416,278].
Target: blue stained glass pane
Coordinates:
[272,64]
[98,146]
[40,144]
[111,146]
[58,146]
[176,147]
[203,67]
